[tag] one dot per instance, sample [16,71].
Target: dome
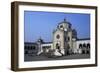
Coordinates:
[40,40]
[64,21]
[64,25]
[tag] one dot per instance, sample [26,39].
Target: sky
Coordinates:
[42,24]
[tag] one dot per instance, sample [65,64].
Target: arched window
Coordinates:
[34,47]
[88,46]
[61,26]
[28,47]
[80,45]
[84,45]
[57,46]
[68,38]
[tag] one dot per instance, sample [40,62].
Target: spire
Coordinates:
[64,19]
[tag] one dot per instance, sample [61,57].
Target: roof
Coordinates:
[64,21]
[40,40]
[47,42]
[83,39]
[36,43]
[30,43]
[57,30]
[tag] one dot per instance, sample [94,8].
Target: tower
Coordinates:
[63,37]
[39,43]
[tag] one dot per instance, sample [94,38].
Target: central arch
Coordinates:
[57,46]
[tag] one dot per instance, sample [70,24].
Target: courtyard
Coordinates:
[31,57]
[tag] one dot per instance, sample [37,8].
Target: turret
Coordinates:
[74,34]
[39,42]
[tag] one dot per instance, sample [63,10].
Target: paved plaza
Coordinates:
[31,57]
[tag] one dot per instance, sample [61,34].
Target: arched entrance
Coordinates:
[57,46]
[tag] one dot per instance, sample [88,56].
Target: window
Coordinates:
[68,38]
[26,52]
[58,36]
[80,46]
[84,45]
[83,51]
[34,47]
[57,46]
[26,47]
[88,45]
[87,52]
[61,26]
